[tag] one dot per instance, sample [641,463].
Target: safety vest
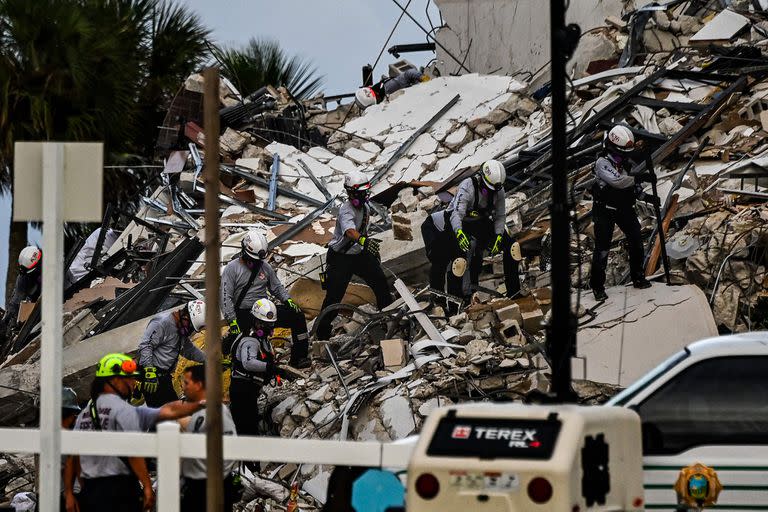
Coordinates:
[266,353]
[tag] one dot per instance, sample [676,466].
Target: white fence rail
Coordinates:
[169,446]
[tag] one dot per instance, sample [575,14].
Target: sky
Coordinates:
[338,36]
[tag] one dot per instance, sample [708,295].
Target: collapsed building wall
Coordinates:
[511,37]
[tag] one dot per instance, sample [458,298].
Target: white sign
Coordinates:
[82,190]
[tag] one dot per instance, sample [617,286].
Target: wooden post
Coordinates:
[214,441]
[653,260]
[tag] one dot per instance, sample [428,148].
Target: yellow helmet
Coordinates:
[117,365]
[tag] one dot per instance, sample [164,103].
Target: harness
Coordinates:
[239,371]
[476,211]
[363,230]
[254,272]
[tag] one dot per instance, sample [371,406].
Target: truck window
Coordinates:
[722,401]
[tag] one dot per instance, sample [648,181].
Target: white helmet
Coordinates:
[264,310]
[255,245]
[356,180]
[494,174]
[620,138]
[29,258]
[196,309]
[365,97]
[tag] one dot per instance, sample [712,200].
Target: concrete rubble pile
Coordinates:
[687,77]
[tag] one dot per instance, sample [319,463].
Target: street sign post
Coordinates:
[54,182]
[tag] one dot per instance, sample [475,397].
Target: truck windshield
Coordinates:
[629,393]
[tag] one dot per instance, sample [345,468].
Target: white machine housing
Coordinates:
[488,457]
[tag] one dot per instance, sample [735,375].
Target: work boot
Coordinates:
[600,294]
[641,283]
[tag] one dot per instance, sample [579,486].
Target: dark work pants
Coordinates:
[288,318]
[605,219]
[445,249]
[441,248]
[194,498]
[339,272]
[113,493]
[165,392]
[243,396]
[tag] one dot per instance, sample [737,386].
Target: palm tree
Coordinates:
[262,62]
[78,70]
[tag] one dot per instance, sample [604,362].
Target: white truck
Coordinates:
[709,404]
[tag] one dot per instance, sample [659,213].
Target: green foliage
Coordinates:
[92,70]
[262,62]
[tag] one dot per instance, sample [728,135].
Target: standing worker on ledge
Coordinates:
[614,193]
[353,252]
[247,279]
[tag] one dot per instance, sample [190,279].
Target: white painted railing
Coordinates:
[169,446]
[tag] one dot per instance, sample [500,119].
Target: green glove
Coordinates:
[370,245]
[233,327]
[226,362]
[463,240]
[293,305]
[496,248]
[149,381]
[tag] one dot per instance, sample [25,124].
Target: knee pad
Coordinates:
[515,252]
[459,267]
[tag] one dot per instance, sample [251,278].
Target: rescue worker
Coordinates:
[27,287]
[118,484]
[80,266]
[194,470]
[248,278]
[70,409]
[368,96]
[167,336]
[253,366]
[353,252]
[614,193]
[474,220]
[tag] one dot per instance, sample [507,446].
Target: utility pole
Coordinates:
[214,428]
[561,333]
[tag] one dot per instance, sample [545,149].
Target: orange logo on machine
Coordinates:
[698,486]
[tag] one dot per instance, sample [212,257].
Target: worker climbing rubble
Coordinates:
[166,337]
[614,193]
[368,96]
[249,277]
[353,252]
[456,237]
[27,287]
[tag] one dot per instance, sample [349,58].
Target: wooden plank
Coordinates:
[653,260]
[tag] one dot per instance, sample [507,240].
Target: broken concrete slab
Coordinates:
[635,330]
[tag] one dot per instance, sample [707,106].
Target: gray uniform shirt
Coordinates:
[235,277]
[349,218]
[406,79]
[161,344]
[116,415]
[196,468]
[247,354]
[464,200]
[609,173]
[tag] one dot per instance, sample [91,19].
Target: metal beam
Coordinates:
[671,105]
[397,49]
[299,226]
[314,179]
[231,200]
[273,183]
[240,172]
